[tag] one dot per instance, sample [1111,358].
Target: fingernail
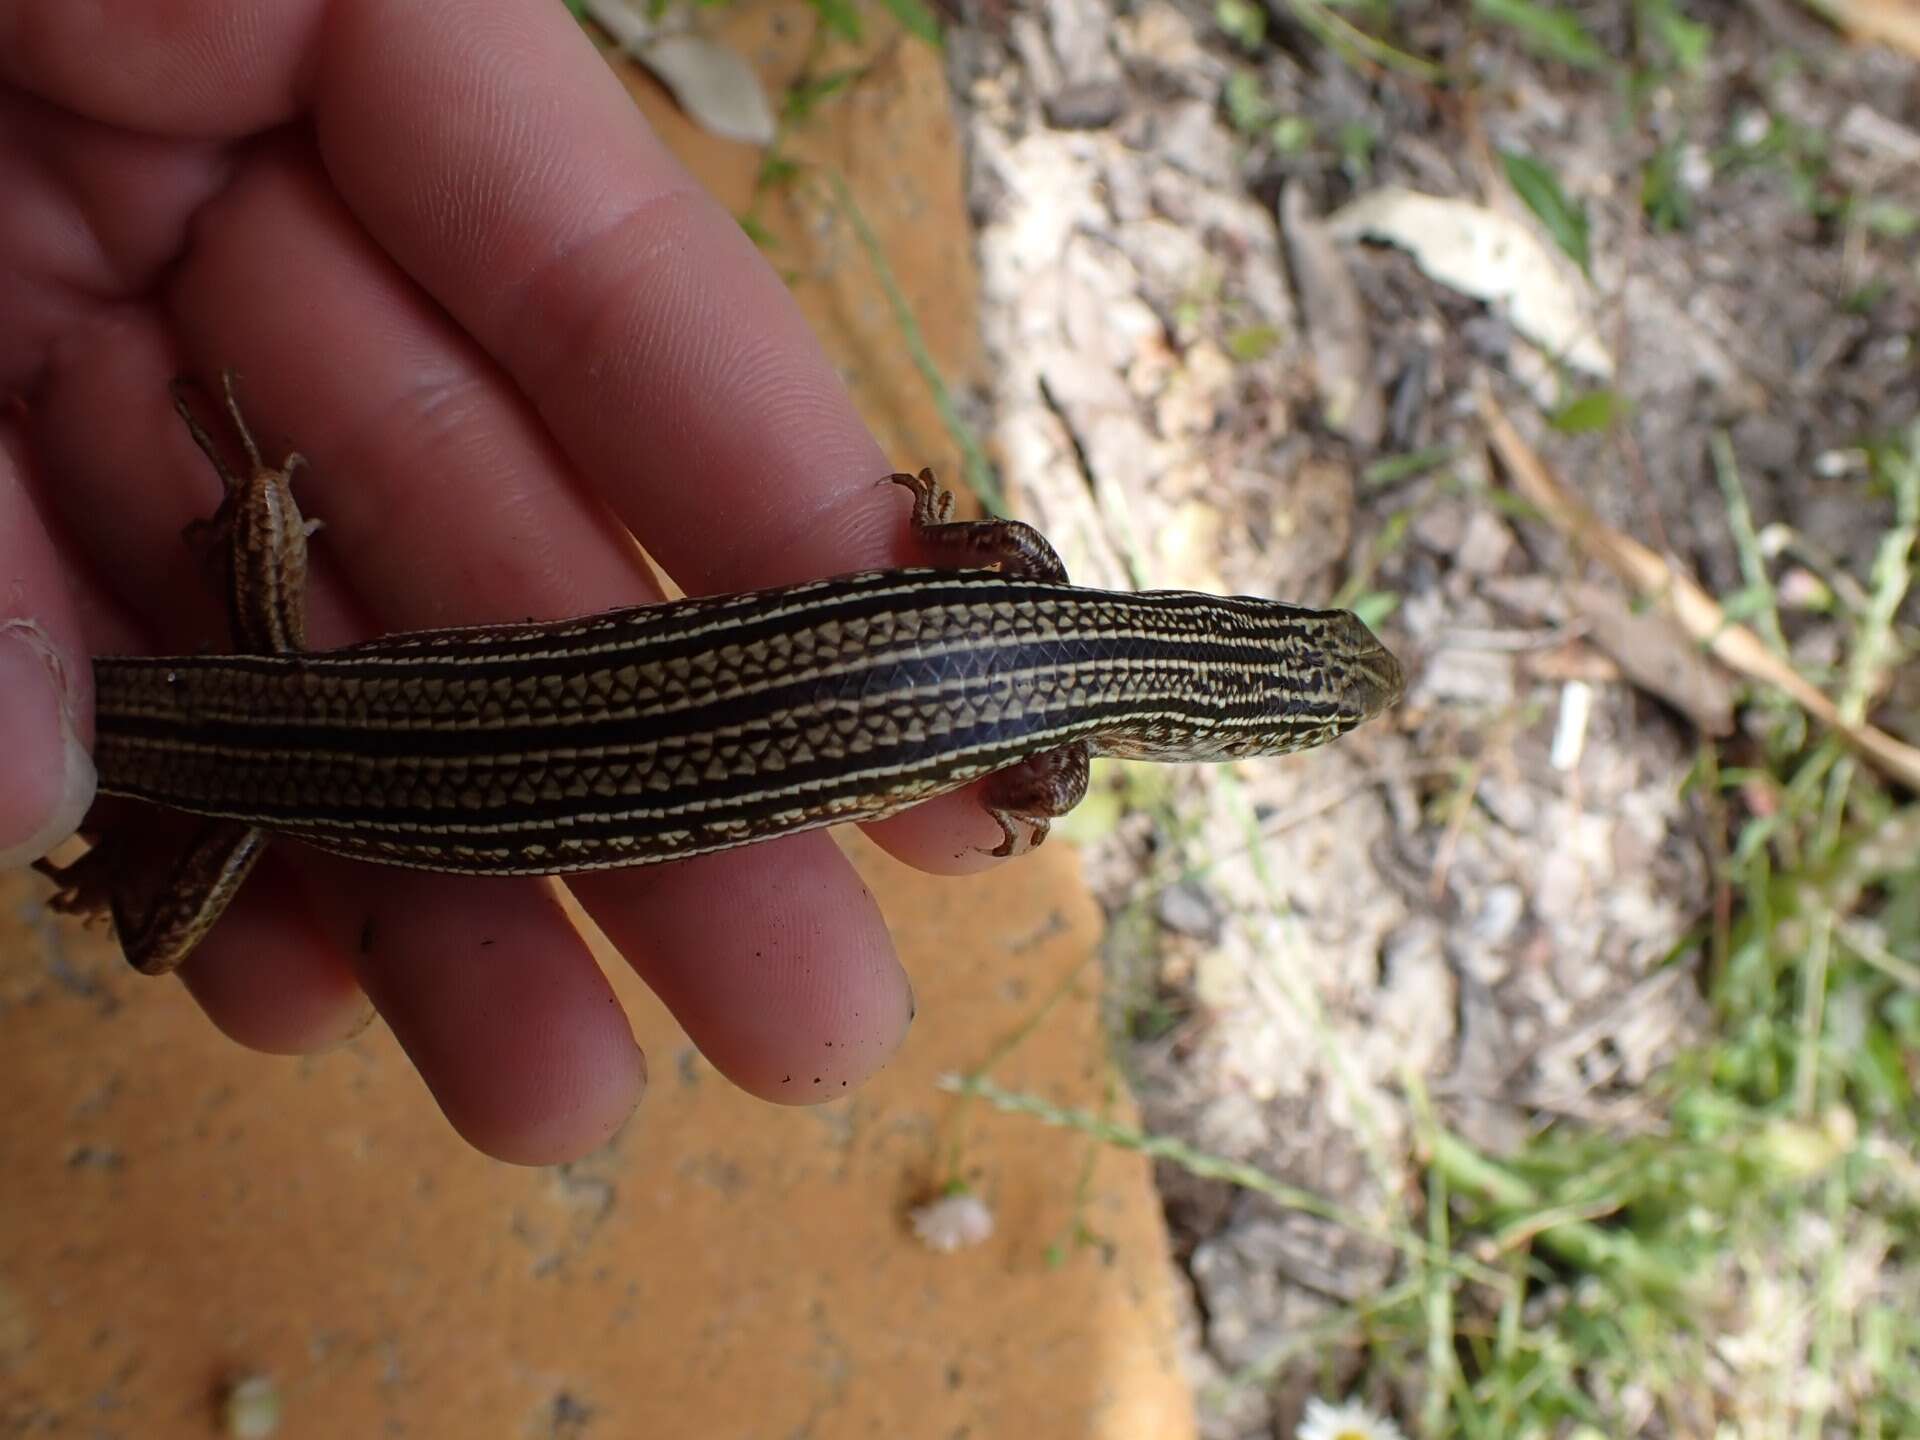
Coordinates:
[47,778]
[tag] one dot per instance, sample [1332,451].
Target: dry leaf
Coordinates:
[1341,346]
[1491,257]
[1656,656]
[713,84]
[1643,645]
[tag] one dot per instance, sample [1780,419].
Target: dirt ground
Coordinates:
[1201,355]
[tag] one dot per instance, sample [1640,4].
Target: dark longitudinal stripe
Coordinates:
[982,748]
[293,727]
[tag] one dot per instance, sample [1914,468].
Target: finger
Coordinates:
[444,500]
[799,996]
[46,689]
[798,407]
[497,1003]
[268,978]
[93,214]
[760,469]
[952,835]
[263,975]
[209,69]
[497,499]
[708,415]
[130,479]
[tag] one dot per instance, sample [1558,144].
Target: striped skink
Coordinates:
[670,730]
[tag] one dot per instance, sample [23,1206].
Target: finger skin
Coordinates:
[737,457]
[264,975]
[267,976]
[534,204]
[47,781]
[203,70]
[488,1005]
[785,979]
[774,1028]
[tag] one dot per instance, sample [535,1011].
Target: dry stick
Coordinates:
[1697,612]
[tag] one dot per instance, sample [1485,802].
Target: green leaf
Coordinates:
[1663,199]
[1546,30]
[1540,189]
[1394,468]
[1889,219]
[840,17]
[1684,40]
[1357,141]
[1253,343]
[916,19]
[1516,507]
[1291,134]
[1375,606]
[1595,410]
[1245,97]
[1862,299]
[762,237]
[775,169]
[1241,21]
[1745,603]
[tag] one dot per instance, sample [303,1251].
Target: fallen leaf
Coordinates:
[1341,347]
[1492,257]
[1656,655]
[714,84]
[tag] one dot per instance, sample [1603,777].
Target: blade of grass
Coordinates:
[980,475]
[1746,542]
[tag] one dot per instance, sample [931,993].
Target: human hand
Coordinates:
[457,272]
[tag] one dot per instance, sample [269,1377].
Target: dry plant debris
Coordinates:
[1411,978]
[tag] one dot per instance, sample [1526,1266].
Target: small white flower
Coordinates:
[1349,1420]
[953,1222]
